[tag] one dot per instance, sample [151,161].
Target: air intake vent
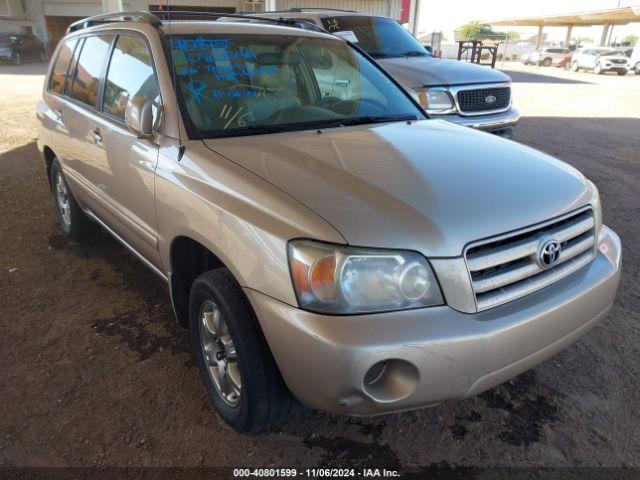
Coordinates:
[511,266]
[484,99]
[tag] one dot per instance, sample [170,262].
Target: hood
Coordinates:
[430,186]
[430,71]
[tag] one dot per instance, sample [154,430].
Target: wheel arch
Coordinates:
[49,157]
[189,258]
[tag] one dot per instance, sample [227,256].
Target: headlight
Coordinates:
[435,100]
[597,206]
[343,280]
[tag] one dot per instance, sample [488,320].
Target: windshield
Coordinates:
[607,53]
[378,36]
[252,84]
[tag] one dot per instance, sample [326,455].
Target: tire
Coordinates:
[73,221]
[574,66]
[546,62]
[636,69]
[598,69]
[622,72]
[226,337]
[17,58]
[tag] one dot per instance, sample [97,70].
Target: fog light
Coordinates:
[391,380]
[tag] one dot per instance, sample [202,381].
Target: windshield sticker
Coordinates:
[347,35]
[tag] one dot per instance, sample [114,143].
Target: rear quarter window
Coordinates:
[61,66]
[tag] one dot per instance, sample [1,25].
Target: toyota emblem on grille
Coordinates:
[490,99]
[548,253]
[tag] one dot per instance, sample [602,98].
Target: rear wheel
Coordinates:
[236,365]
[72,219]
[598,69]
[574,66]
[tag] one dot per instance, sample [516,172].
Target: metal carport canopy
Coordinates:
[615,16]
[606,18]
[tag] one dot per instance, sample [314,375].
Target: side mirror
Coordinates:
[138,115]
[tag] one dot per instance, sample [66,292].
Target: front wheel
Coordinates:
[17,58]
[574,66]
[622,72]
[236,365]
[598,69]
[546,62]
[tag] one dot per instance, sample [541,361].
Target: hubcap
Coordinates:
[219,353]
[62,198]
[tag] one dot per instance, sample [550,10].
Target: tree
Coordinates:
[476,31]
[630,39]
[513,36]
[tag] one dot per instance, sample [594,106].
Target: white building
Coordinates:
[48,19]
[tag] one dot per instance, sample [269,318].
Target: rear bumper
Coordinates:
[494,123]
[434,354]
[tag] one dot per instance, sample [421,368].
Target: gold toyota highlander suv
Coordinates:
[319,234]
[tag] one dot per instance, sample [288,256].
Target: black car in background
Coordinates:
[20,47]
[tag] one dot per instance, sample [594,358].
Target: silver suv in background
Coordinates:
[339,247]
[600,60]
[459,92]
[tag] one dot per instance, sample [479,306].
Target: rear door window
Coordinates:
[61,67]
[130,75]
[86,82]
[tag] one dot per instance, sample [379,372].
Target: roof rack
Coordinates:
[142,17]
[155,17]
[306,9]
[289,22]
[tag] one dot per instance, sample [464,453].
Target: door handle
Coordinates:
[58,113]
[342,83]
[96,135]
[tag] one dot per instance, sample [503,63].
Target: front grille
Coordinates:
[484,99]
[618,60]
[507,268]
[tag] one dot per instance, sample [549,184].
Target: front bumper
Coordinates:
[433,354]
[495,123]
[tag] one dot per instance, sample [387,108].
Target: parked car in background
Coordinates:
[18,48]
[318,234]
[563,62]
[634,60]
[459,92]
[545,56]
[600,60]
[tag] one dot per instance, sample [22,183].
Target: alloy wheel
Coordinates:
[63,201]
[219,352]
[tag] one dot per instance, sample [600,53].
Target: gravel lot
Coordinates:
[96,372]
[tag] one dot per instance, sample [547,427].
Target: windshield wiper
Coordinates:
[413,53]
[377,119]
[377,54]
[252,130]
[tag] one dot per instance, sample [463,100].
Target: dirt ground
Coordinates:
[95,371]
